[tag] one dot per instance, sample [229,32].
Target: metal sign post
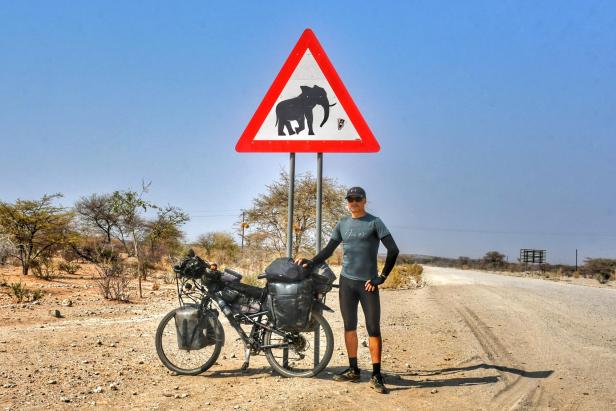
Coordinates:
[317,331]
[290,206]
[319,197]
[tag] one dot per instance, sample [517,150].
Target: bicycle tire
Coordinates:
[329,349]
[220,340]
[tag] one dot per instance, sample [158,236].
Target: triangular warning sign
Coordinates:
[307,109]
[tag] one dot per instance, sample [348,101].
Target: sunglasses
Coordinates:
[354,199]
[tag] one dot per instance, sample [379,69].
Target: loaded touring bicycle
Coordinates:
[284,320]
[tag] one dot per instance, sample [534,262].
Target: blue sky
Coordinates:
[497,120]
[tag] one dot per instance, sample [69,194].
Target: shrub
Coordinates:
[36,295]
[68,267]
[155,286]
[19,290]
[44,268]
[602,269]
[113,280]
[405,276]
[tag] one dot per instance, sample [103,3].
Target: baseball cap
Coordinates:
[356,192]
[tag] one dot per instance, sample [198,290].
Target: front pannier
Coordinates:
[194,330]
[284,270]
[291,304]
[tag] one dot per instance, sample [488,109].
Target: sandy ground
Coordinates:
[469,340]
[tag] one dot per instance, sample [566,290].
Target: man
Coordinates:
[359,280]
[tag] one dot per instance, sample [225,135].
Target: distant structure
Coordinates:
[532,256]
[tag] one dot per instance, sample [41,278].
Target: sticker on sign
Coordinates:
[307,109]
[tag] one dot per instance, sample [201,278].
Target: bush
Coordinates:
[36,295]
[155,286]
[68,267]
[21,292]
[7,248]
[405,276]
[113,280]
[602,269]
[44,268]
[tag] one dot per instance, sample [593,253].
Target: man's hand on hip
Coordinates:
[373,285]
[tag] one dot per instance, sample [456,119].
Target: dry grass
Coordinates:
[405,276]
[251,279]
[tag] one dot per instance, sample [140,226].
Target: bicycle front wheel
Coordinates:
[306,354]
[186,362]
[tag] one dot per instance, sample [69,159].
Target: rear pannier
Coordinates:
[194,329]
[291,304]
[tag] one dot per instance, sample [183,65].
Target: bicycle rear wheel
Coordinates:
[186,362]
[307,353]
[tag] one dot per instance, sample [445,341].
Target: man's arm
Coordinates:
[392,254]
[390,261]
[323,255]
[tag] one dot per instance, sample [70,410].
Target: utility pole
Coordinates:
[576,260]
[243,227]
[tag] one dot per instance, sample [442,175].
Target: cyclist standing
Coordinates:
[360,235]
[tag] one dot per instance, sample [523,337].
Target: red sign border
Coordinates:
[367,143]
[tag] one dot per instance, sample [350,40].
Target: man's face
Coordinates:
[356,204]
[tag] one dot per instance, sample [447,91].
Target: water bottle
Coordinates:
[223,305]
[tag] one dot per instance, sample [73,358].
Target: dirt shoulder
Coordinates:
[442,350]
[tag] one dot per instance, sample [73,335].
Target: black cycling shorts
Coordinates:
[352,292]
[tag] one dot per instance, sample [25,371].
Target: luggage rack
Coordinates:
[190,289]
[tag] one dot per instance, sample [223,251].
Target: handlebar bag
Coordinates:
[191,267]
[290,304]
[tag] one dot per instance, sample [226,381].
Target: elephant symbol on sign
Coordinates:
[300,108]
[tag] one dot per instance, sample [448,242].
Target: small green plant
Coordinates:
[68,267]
[36,295]
[19,291]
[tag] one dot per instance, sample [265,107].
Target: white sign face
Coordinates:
[300,111]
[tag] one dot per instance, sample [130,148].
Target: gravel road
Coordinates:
[562,335]
[469,340]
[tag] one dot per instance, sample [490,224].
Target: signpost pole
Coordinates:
[319,197]
[290,206]
[317,331]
